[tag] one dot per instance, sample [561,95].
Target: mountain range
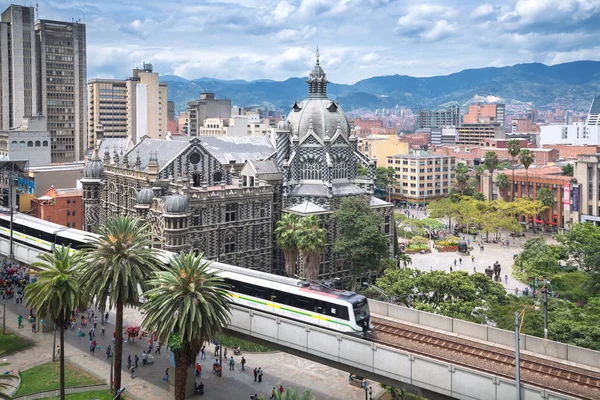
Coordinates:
[570,85]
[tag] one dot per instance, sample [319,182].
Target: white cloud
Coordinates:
[276,39]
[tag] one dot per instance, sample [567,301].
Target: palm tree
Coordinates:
[286,235]
[57,293]
[513,149]
[405,260]
[545,196]
[462,178]
[187,305]
[526,157]
[4,386]
[503,183]
[491,163]
[311,243]
[118,263]
[567,170]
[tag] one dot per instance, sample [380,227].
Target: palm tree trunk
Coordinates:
[512,184]
[118,345]
[62,360]
[181,366]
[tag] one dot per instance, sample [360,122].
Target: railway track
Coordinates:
[540,372]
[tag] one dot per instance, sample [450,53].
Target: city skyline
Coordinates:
[233,39]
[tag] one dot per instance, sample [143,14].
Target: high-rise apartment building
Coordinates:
[485,114]
[107,107]
[439,118]
[133,107]
[62,77]
[18,72]
[206,107]
[171,110]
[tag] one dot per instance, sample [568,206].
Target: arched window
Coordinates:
[14,144]
[38,143]
[229,243]
[22,143]
[30,143]
[45,143]
[311,170]
[340,168]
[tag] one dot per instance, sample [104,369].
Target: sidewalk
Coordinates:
[279,368]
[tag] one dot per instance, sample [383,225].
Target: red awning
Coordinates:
[551,223]
[538,221]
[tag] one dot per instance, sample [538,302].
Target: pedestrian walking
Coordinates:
[33,327]
[260,374]
[216,350]
[136,359]
[231,364]
[108,351]
[473,259]
[57,354]
[149,346]
[95,321]
[460,260]
[202,353]
[225,353]
[280,390]
[106,317]
[129,361]
[455,262]
[132,370]
[474,269]
[451,266]
[166,377]
[506,279]
[158,348]
[255,373]
[243,362]
[370,392]
[516,291]
[198,370]
[273,393]
[102,329]
[144,358]
[20,320]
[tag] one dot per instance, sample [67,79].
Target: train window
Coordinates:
[332,310]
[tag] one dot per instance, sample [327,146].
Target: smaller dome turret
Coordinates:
[284,125]
[145,196]
[176,204]
[94,167]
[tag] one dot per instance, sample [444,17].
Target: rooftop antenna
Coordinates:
[318,54]
[37,10]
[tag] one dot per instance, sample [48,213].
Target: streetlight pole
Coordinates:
[11,255]
[4,317]
[517,361]
[112,358]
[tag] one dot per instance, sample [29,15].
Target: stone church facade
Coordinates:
[224,195]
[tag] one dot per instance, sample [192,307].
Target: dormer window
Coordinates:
[332,107]
[297,107]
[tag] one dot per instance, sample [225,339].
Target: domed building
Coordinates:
[317,153]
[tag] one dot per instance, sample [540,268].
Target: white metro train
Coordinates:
[314,304]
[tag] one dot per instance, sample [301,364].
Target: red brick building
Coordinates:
[570,152]
[548,177]
[364,127]
[61,206]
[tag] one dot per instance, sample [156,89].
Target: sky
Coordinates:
[357,39]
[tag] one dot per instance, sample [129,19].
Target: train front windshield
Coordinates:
[361,313]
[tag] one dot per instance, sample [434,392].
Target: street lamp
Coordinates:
[545,291]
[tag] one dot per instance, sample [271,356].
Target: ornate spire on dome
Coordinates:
[317,80]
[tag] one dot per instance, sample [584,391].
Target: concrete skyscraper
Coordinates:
[62,84]
[18,72]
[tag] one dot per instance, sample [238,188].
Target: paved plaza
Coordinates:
[279,368]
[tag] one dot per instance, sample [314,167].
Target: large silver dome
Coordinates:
[324,114]
[145,196]
[176,204]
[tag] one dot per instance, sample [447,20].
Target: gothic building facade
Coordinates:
[187,192]
[224,195]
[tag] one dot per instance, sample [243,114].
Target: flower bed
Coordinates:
[447,249]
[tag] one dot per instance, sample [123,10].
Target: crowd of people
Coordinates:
[13,279]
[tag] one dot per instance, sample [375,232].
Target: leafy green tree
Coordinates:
[187,305]
[478,196]
[513,150]
[503,183]
[361,170]
[458,294]
[537,260]
[491,163]
[582,244]
[312,239]
[286,232]
[360,243]
[432,226]
[567,170]
[573,286]
[384,177]
[462,178]
[526,157]
[116,266]
[57,293]
[545,196]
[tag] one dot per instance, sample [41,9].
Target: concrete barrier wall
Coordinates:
[488,333]
[382,363]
